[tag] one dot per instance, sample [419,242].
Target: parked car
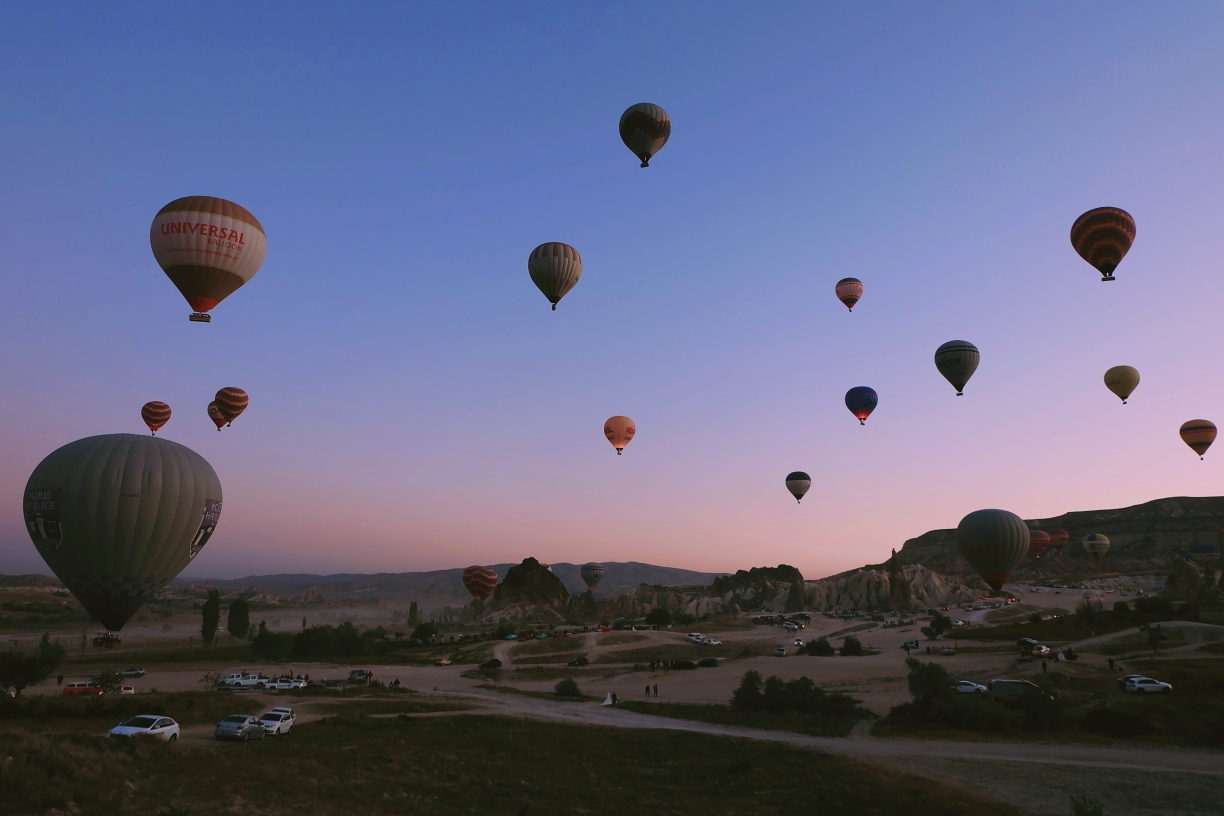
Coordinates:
[278,722]
[127,689]
[82,687]
[1146,685]
[542,636]
[1027,643]
[947,651]
[443,662]
[241,727]
[244,681]
[709,642]
[798,641]
[1126,678]
[684,664]
[578,661]
[694,636]
[1041,651]
[150,725]
[132,673]
[511,637]
[708,663]
[910,644]
[491,663]
[969,687]
[281,684]
[359,676]
[780,652]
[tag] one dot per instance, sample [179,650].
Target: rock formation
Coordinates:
[529,583]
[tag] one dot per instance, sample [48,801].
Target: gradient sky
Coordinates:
[414,403]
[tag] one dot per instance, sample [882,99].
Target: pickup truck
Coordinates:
[243,681]
[281,684]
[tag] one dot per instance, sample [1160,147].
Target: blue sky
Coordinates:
[415,404]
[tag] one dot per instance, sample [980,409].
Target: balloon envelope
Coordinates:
[592,574]
[620,431]
[1102,237]
[214,413]
[480,581]
[1058,538]
[957,360]
[1198,434]
[645,128]
[116,517]
[861,401]
[208,247]
[155,415]
[849,291]
[798,484]
[994,542]
[1039,542]
[1096,545]
[555,269]
[231,402]
[1122,380]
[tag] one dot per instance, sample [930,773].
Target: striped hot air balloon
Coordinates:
[645,128]
[480,581]
[861,401]
[1122,381]
[116,517]
[798,483]
[592,574]
[555,269]
[231,402]
[994,542]
[956,361]
[1102,237]
[155,415]
[214,413]
[1058,538]
[620,431]
[1039,542]
[1198,434]
[849,291]
[1096,545]
[208,247]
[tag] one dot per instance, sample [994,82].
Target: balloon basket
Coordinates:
[199,317]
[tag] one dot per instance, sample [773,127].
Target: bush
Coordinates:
[800,695]
[749,694]
[503,630]
[684,618]
[852,647]
[1034,618]
[659,616]
[1116,723]
[425,631]
[1089,609]
[271,645]
[940,623]
[1121,609]
[567,688]
[1086,806]
[818,648]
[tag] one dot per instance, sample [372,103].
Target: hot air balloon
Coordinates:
[214,413]
[798,484]
[620,431]
[1102,238]
[480,581]
[1205,553]
[994,542]
[1058,538]
[1198,434]
[1039,542]
[1122,380]
[957,360]
[155,415]
[592,574]
[861,401]
[208,247]
[644,129]
[555,268]
[116,517]
[848,291]
[231,402]
[1096,545]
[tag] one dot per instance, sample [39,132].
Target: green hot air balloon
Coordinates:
[116,517]
[994,542]
[592,574]
[957,360]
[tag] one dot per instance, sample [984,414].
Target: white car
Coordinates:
[695,637]
[958,623]
[968,687]
[278,722]
[798,641]
[709,642]
[236,681]
[127,689]
[281,684]
[153,725]
[1146,685]
[780,652]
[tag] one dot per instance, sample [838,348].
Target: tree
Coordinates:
[109,682]
[567,688]
[749,695]
[414,615]
[1035,617]
[211,612]
[1089,609]
[424,631]
[1153,633]
[19,670]
[271,645]
[659,616]
[821,647]
[928,683]
[238,623]
[852,647]
[940,623]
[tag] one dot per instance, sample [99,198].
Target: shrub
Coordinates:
[567,688]
[852,647]
[18,669]
[684,618]
[1116,723]
[1121,609]
[503,629]
[425,631]
[659,616]
[1086,806]
[749,694]
[1089,609]
[271,645]
[1034,618]
[800,695]
[940,623]
[818,648]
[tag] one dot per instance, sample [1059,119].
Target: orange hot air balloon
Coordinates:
[214,413]
[620,431]
[849,291]
[1039,542]
[155,415]
[1198,434]
[1058,538]
[1102,237]
[480,581]
[231,402]
[208,247]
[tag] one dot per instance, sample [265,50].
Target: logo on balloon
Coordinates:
[212,514]
[42,509]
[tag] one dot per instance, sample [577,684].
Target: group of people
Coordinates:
[656,689]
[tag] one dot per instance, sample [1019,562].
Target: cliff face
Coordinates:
[1143,538]
[529,583]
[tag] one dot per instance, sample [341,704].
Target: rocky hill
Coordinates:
[1148,537]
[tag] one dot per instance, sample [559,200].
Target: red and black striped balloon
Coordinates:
[480,581]
[1198,434]
[231,402]
[1102,237]
[155,415]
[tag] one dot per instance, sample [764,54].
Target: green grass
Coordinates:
[122,658]
[98,715]
[462,765]
[814,725]
[689,651]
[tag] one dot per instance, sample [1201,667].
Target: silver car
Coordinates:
[149,725]
[1146,685]
[240,727]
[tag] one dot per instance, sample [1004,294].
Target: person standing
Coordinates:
[1043,667]
[614,698]
[59,681]
[656,689]
[1111,666]
[647,689]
